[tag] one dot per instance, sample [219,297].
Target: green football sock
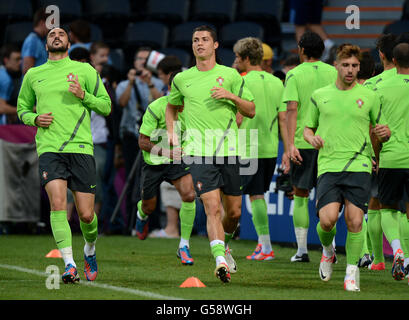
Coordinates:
[404,234]
[139,205]
[376,235]
[301,217]
[365,249]
[390,224]
[326,238]
[260,219]
[90,230]
[61,229]
[187,217]
[353,246]
[217,248]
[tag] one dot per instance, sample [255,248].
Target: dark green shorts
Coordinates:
[259,183]
[211,173]
[393,186]
[338,186]
[76,168]
[154,175]
[304,176]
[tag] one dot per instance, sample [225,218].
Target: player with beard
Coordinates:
[64,92]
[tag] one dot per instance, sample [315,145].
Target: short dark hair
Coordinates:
[80,53]
[39,15]
[7,50]
[144,48]
[81,29]
[95,46]
[292,60]
[385,44]
[169,64]
[312,44]
[172,75]
[401,55]
[367,66]
[207,28]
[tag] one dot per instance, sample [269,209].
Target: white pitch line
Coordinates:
[137,292]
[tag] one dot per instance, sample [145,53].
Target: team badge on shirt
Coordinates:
[199,185]
[220,80]
[70,77]
[360,103]
[45,175]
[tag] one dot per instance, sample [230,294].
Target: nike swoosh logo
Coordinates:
[59,241]
[188,85]
[322,276]
[93,186]
[41,80]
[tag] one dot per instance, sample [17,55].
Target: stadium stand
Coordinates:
[168,12]
[184,56]
[17,32]
[69,9]
[214,11]
[232,32]
[181,35]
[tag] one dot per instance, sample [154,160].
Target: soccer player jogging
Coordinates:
[267,90]
[385,44]
[338,122]
[64,93]
[157,167]
[300,82]
[393,172]
[212,94]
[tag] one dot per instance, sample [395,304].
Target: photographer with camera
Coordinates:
[134,95]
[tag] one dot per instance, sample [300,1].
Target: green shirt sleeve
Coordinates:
[376,110]
[240,89]
[149,122]
[312,113]
[96,97]
[282,106]
[290,89]
[175,97]
[26,101]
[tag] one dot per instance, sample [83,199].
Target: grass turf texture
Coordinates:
[152,266]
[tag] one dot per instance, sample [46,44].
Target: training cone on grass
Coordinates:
[192,282]
[54,254]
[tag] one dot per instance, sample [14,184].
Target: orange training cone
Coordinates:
[54,254]
[192,282]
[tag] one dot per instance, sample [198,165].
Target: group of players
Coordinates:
[215,136]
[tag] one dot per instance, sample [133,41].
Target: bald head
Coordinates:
[401,55]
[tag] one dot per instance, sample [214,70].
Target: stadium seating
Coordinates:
[183,55]
[232,32]
[17,32]
[225,56]
[214,11]
[147,33]
[15,11]
[181,35]
[69,9]
[111,16]
[96,33]
[397,27]
[118,60]
[169,12]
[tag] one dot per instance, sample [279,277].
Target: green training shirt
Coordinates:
[342,119]
[371,83]
[393,94]
[46,88]
[211,128]
[267,91]
[154,126]
[300,83]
